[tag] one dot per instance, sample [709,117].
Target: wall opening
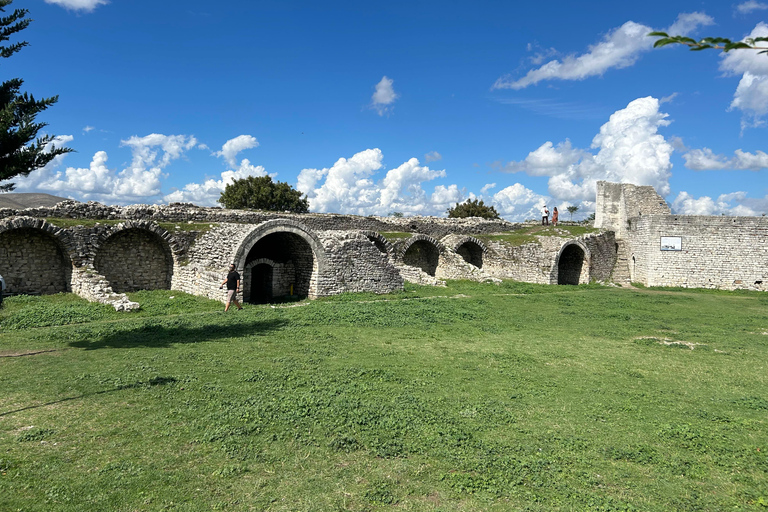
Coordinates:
[378,243]
[33,262]
[262,276]
[632,270]
[472,253]
[135,259]
[424,255]
[292,264]
[570,264]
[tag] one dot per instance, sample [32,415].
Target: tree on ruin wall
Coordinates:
[20,153]
[261,193]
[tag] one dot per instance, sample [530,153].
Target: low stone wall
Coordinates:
[436,227]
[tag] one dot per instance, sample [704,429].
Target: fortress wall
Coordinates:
[616,203]
[436,227]
[717,252]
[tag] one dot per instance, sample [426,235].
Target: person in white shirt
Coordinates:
[544,216]
[2,290]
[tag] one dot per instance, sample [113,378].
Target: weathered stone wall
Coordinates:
[717,252]
[436,227]
[618,202]
[135,259]
[33,261]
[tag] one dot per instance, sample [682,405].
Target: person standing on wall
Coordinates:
[233,287]
[555,215]
[2,290]
[544,216]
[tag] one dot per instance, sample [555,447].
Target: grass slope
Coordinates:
[474,397]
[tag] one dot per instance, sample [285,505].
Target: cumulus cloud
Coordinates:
[78,5]
[349,186]
[706,160]
[517,202]
[209,192]
[620,48]
[384,96]
[750,6]
[734,203]
[751,96]
[432,156]
[629,150]
[352,185]
[139,181]
[232,147]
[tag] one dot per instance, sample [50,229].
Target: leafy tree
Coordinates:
[472,208]
[396,214]
[261,193]
[572,209]
[20,154]
[715,43]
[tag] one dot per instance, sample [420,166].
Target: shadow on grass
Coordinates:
[154,381]
[157,335]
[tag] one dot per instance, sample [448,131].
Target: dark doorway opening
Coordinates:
[472,253]
[424,255]
[290,272]
[570,265]
[261,284]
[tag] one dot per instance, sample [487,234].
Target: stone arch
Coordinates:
[294,253]
[36,257]
[423,252]
[136,255]
[572,263]
[471,249]
[381,243]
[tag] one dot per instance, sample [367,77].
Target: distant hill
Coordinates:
[21,201]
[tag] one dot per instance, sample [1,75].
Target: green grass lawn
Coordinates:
[470,397]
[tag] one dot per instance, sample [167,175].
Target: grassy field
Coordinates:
[471,397]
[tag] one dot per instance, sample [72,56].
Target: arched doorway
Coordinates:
[472,253]
[422,254]
[135,259]
[261,282]
[33,261]
[570,264]
[278,265]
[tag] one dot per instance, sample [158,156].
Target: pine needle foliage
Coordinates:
[21,150]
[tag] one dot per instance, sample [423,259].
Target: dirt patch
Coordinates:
[27,353]
[668,342]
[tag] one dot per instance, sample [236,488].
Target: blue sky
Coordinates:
[372,108]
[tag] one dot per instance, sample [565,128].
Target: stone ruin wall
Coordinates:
[102,261]
[717,252]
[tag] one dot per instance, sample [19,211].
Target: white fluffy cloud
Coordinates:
[620,48]
[518,203]
[384,96]
[629,150]
[140,181]
[751,5]
[349,187]
[78,5]
[232,147]
[751,96]
[734,203]
[706,160]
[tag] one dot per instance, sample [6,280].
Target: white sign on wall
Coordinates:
[671,243]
